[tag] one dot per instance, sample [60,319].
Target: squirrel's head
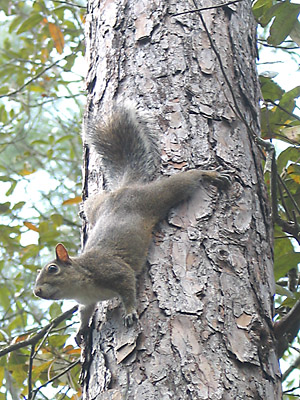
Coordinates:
[53,280]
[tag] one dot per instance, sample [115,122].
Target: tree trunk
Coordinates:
[205,299]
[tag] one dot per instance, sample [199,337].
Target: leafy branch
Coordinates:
[38,336]
[30,81]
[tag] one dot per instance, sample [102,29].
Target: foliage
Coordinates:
[41,45]
[40,110]
[280,120]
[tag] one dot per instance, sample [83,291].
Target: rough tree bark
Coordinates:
[205,299]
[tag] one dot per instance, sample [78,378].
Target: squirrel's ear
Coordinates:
[62,253]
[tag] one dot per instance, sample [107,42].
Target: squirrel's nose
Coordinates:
[37,291]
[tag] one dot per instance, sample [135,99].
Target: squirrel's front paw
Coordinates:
[130,318]
[81,335]
[224,177]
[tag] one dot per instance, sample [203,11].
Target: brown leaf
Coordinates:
[57,37]
[32,227]
[74,200]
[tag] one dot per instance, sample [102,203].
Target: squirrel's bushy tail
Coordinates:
[128,146]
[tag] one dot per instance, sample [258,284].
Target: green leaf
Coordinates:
[44,227]
[55,310]
[294,172]
[51,139]
[17,322]
[295,33]
[4,207]
[65,138]
[50,153]
[260,11]
[290,301]
[274,119]
[2,372]
[4,297]
[3,114]
[30,23]
[283,244]
[30,251]
[286,16]
[291,154]
[60,11]
[268,14]
[18,205]
[39,141]
[58,340]
[12,188]
[39,369]
[270,89]
[288,99]
[57,219]
[283,264]
[4,178]
[4,90]
[4,6]
[37,88]
[15,22]
[282,115]
[292,133]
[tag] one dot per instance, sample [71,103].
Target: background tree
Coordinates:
[206,300]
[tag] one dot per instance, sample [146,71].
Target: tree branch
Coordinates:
[30,81]
[30,366]
[294,365]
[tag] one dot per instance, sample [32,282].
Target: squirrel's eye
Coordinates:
[52,268]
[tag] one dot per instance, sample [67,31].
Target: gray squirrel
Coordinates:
[121,220]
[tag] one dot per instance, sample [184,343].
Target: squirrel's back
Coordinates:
[127,144]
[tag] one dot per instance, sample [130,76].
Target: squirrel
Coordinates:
[121,220]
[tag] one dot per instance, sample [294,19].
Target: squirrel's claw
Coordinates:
[130,318]
[225,177]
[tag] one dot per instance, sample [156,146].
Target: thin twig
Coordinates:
[44,339]
[206,8]
[30,366]
[68,3]
[283,109]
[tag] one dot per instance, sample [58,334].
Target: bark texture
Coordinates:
[205,299]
